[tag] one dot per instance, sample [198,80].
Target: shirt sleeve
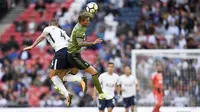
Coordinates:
[101,78]
[73,35]
[47,29]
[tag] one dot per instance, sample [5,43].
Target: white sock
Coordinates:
[72,78]
[58,82]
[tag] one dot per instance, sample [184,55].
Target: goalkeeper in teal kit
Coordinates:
[76,44]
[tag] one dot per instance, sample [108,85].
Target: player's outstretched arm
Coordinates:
[38,40]
[83,43]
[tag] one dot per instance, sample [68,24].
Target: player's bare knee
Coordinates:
[109,110]
[52,73]
[126,110]
[91,70]
[94,71]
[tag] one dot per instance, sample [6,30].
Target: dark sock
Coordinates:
[96,83]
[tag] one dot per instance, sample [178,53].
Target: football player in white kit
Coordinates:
[108,80]
[128,87]
[59,65]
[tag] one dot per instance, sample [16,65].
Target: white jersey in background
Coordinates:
[56,37]
[108,84]
[128,84]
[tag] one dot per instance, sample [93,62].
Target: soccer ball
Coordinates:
[92,7]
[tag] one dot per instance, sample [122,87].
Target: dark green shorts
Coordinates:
[76,61]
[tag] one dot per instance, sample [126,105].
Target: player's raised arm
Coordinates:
[38,40]
[83,43]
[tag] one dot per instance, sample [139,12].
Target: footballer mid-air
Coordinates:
[76,43]
[59,41]
[67,52]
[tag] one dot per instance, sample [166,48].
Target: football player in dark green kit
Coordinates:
[77,43]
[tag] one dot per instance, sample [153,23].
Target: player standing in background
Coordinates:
[109,80]
[157,85]
[128,86]
[59,65]
[77,43]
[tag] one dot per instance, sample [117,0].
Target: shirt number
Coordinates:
[62,35]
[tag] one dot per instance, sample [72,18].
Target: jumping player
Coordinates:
[128,86]
[59,65]
[77,43]
[109,80]
[157,85]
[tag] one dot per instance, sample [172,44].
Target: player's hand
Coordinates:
[122,90]
[97,41]
[28,48]
[137,89]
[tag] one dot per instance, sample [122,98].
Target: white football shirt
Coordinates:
[56,37]
[108,84]
[128,84]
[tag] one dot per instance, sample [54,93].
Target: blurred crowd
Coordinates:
[160,24]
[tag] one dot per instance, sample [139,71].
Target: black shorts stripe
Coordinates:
[60,60]
[80,62]
[76,61]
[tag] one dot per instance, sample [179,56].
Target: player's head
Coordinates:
[127,70]
[110,67]
[158,67]
[53,22]
[84,19]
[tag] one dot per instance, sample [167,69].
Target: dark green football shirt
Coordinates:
[78,32]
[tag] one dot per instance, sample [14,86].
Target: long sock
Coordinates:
[72,78]
[97,83]
[58,82]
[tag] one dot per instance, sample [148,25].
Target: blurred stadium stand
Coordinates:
[122,24]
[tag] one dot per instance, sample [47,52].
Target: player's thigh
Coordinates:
[76,61]
[158,98]
[63,73]
[132,107]
[110,109]
[53,72]
[91,70]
